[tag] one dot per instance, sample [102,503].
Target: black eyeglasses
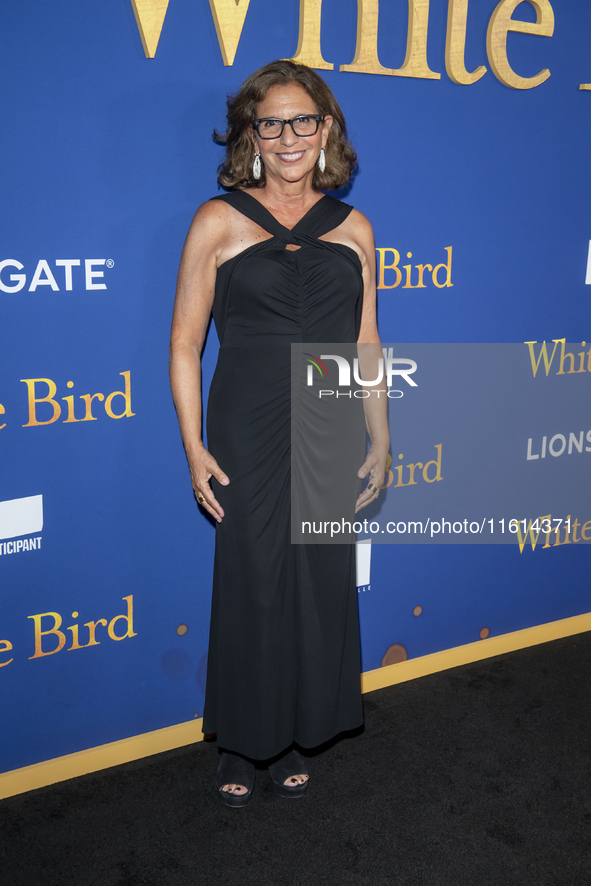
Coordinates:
[272,127]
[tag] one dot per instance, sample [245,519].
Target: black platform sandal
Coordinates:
[233,769]
[291,764]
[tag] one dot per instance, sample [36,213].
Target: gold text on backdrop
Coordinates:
[455,45]
[149,15]
[388,252]
[563,357]
[496,40]
[229,17]
[309,51]
[48,398]
[366,53]
[91,625]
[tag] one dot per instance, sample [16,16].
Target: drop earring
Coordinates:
[322,160]
[257,167]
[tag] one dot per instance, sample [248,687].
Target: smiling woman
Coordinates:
[251,101]
[276,262]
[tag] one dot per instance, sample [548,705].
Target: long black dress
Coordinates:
[284,661]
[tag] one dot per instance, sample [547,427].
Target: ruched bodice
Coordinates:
[283,660]
[268,294]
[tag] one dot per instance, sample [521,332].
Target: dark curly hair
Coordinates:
[236,170]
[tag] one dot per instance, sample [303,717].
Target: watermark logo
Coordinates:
[385,367]
[315,362]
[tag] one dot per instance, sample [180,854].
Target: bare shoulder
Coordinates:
[209,233]
[356,232]
[361,228]
[210,221]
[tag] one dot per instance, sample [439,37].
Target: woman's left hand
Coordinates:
[374,468]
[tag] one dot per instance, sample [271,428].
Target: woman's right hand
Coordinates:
[203,467]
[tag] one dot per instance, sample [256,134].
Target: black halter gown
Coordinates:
[284,660]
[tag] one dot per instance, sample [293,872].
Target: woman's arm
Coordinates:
[192,309]
[370,350]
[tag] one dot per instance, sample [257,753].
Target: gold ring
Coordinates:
[200,498]
[372,488]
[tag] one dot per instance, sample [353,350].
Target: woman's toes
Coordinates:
[237,789]
[295,780]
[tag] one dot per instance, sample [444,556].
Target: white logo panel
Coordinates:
[363,550]
[21,516]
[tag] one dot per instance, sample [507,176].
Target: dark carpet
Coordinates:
[478,776]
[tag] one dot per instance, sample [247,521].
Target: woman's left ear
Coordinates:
[326,127]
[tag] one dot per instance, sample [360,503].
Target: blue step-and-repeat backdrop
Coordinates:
[472,120]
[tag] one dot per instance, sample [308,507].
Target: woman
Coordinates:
[277,262]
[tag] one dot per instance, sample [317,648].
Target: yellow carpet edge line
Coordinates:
[125,750]
[471,652]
